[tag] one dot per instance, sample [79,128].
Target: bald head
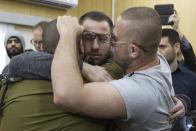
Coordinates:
[143,27]
[50,37]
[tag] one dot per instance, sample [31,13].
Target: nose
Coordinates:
[95,45]
[13,42]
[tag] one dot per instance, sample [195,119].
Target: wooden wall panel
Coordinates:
[29,9]
[35,10]
[89,5]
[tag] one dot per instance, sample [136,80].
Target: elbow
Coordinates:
[59,100]
[64,101]
[59,96]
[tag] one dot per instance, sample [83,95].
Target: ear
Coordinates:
[177,47]
[133,50]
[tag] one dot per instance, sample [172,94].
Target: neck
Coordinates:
[143,64]
[173,65]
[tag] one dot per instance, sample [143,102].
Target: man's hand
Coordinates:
[95,73]
[68,25]
[177,111]
[174,18]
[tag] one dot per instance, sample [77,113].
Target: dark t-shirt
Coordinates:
[184,82]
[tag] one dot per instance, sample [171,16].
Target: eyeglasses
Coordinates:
[114,42]
[33,42]
[89,36]
[120,43]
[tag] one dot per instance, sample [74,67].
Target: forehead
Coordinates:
[164,41]
[37,30]
[96,26]
[120,27]
[13,38]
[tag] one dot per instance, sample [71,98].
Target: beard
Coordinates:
[90,58]
[13,51]
[122,63]
[170,57]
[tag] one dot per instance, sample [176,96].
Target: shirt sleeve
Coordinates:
[188,53]
[31,65]
[113,69]
[185,44]
[136,98]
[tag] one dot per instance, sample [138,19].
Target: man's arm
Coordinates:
[95,73]
[94,99]
[182,106]
[31,65]
[106,72]
[37,65]
[189,55]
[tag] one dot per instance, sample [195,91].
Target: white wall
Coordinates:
[4,59]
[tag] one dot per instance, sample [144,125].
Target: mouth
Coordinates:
[95,56]
[92,58]
[13,49]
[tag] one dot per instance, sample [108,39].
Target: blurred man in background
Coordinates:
[14,45]
[37,35]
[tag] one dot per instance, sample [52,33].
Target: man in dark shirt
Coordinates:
[184,80]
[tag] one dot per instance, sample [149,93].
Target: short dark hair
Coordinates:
[96,16]
[172,35]
[41,24]
[50,37]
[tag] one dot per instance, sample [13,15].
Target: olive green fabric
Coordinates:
[29,107]
[113,69]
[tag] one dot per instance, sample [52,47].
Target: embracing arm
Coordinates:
[106,72]
[95,73]
[94,99]
[181,108]
[31,65]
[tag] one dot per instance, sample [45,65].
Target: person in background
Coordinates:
[37,35]
[184,80]
[14,44]
[186,55]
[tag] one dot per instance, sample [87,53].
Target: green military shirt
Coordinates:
[28,106]
[112,68]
